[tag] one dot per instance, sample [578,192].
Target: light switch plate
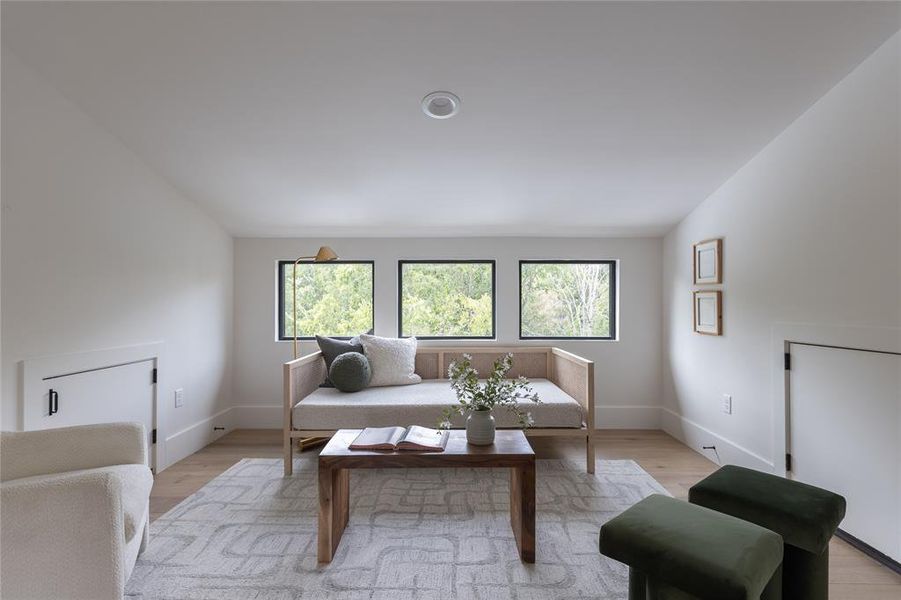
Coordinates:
[727,404]
[179,397]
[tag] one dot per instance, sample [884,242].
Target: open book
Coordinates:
[401,438]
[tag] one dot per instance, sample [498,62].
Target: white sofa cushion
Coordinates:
[136,482]
[392,360]
[328,408]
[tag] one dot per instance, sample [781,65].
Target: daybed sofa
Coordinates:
[563,381]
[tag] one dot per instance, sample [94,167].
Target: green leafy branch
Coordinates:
[495,392]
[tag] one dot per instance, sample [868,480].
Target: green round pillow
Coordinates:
[350,372]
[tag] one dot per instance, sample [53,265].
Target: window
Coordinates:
[334,299]
[446,299]
[567,299]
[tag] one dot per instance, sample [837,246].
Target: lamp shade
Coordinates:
[325,254]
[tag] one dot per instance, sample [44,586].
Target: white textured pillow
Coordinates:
[392,360]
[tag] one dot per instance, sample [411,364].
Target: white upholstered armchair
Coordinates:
[74,510]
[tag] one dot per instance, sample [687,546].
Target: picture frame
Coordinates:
[707,261]
[707,307]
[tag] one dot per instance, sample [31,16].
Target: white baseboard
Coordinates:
[694,436]
[627,417]
[191,439]
[269,416]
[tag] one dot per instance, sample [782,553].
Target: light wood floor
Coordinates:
[853,576]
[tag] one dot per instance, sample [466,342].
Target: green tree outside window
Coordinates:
[452,299]
[566,299]
[333,299]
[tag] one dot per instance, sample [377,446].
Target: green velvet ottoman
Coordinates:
[678,551]
[805,516]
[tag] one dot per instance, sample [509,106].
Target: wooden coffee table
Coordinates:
[511,451]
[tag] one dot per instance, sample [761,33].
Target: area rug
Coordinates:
[418,534]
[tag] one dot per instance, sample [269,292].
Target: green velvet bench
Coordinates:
[805,516]
[679,551]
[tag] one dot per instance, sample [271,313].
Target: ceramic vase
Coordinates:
[480,428]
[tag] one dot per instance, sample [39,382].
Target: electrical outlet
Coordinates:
[179,398]
[727,404]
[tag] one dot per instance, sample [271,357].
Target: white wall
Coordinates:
[98,252]
[812,234]
[627,371]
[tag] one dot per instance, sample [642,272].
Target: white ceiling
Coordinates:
[578,119]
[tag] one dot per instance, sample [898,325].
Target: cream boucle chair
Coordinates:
[74,510]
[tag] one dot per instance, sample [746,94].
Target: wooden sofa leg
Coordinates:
[589,454]
[289,455]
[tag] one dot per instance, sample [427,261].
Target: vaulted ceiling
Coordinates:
[577,119]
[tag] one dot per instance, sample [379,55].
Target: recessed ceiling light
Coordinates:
[441,105]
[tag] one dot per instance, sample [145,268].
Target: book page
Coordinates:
[372,437]
[424,437]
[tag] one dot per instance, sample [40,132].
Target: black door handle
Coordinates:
[54,402]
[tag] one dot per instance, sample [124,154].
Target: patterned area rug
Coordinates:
[430,534]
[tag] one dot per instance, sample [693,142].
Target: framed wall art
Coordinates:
[708,312]
[708,262]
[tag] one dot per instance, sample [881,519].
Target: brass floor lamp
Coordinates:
[325,254]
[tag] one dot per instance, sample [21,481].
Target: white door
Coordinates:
[106,395]
[844,431]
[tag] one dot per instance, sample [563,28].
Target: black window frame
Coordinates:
[614,324]
[400,297]
[280,283]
